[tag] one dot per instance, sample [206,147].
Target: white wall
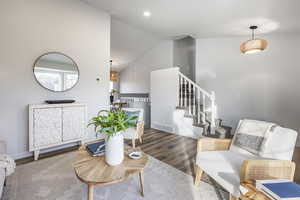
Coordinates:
[185,56]
[136,77]
[262,86]
[128,43]
[31,28]
[164,98]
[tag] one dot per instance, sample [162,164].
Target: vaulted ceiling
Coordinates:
[206,18]
[132,34]
[128,43]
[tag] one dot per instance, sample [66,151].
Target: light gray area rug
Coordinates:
[54,178]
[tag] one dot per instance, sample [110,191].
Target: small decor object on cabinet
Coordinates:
[113,123]
[59,101]
[55,124]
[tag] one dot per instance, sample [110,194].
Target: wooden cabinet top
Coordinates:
[45,105]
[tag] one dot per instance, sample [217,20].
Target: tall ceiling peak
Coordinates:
[205,18]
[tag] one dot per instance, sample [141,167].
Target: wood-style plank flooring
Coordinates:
[177,151]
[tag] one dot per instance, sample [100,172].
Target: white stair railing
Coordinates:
[194,98]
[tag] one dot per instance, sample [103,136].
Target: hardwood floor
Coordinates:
[177,151]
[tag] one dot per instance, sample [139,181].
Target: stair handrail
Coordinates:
[211,97]
[196,85]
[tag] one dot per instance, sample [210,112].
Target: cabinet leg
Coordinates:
[36,154]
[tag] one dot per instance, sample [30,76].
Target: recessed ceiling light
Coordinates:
[147,13]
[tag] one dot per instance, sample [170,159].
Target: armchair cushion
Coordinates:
[224,167]
[133,113]
[280,144]
[130,133]
[251,135]
[139,110]
[269,144]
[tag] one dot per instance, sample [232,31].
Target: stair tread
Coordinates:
[181,107]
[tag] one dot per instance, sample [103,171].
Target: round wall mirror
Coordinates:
[56,72]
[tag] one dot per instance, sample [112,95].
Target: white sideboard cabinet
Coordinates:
[51,125]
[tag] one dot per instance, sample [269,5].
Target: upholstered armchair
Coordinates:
[137,132]
[258,150]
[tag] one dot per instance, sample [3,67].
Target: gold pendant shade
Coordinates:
[114,76]
[253,46]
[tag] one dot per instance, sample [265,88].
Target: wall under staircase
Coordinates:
[164,91]
[180,106]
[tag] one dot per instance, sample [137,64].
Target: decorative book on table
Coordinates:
[96,149]
[279,189]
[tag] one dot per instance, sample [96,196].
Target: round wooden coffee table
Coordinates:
[94,171]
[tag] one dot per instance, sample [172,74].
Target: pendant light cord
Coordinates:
[253,29]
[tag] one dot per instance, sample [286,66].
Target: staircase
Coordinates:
[182,107]
[200,105]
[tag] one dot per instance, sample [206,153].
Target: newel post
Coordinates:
[213,113]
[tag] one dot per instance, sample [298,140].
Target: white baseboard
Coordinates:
[29,154]
[162,127]
[21,155]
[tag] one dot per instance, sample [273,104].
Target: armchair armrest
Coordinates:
[140,128]
[267,169]
[213,144]
[2,147]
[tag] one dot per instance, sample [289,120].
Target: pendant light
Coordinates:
[254,45]
[114,76]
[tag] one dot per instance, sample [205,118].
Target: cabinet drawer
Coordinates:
[47,126]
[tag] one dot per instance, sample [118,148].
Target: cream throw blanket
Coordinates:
[8,164]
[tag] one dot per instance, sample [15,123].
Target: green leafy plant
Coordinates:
[112,122]
[113,91]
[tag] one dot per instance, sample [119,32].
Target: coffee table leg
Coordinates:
[141,174]
[90,192]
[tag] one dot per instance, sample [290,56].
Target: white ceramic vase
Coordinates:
[114,149]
